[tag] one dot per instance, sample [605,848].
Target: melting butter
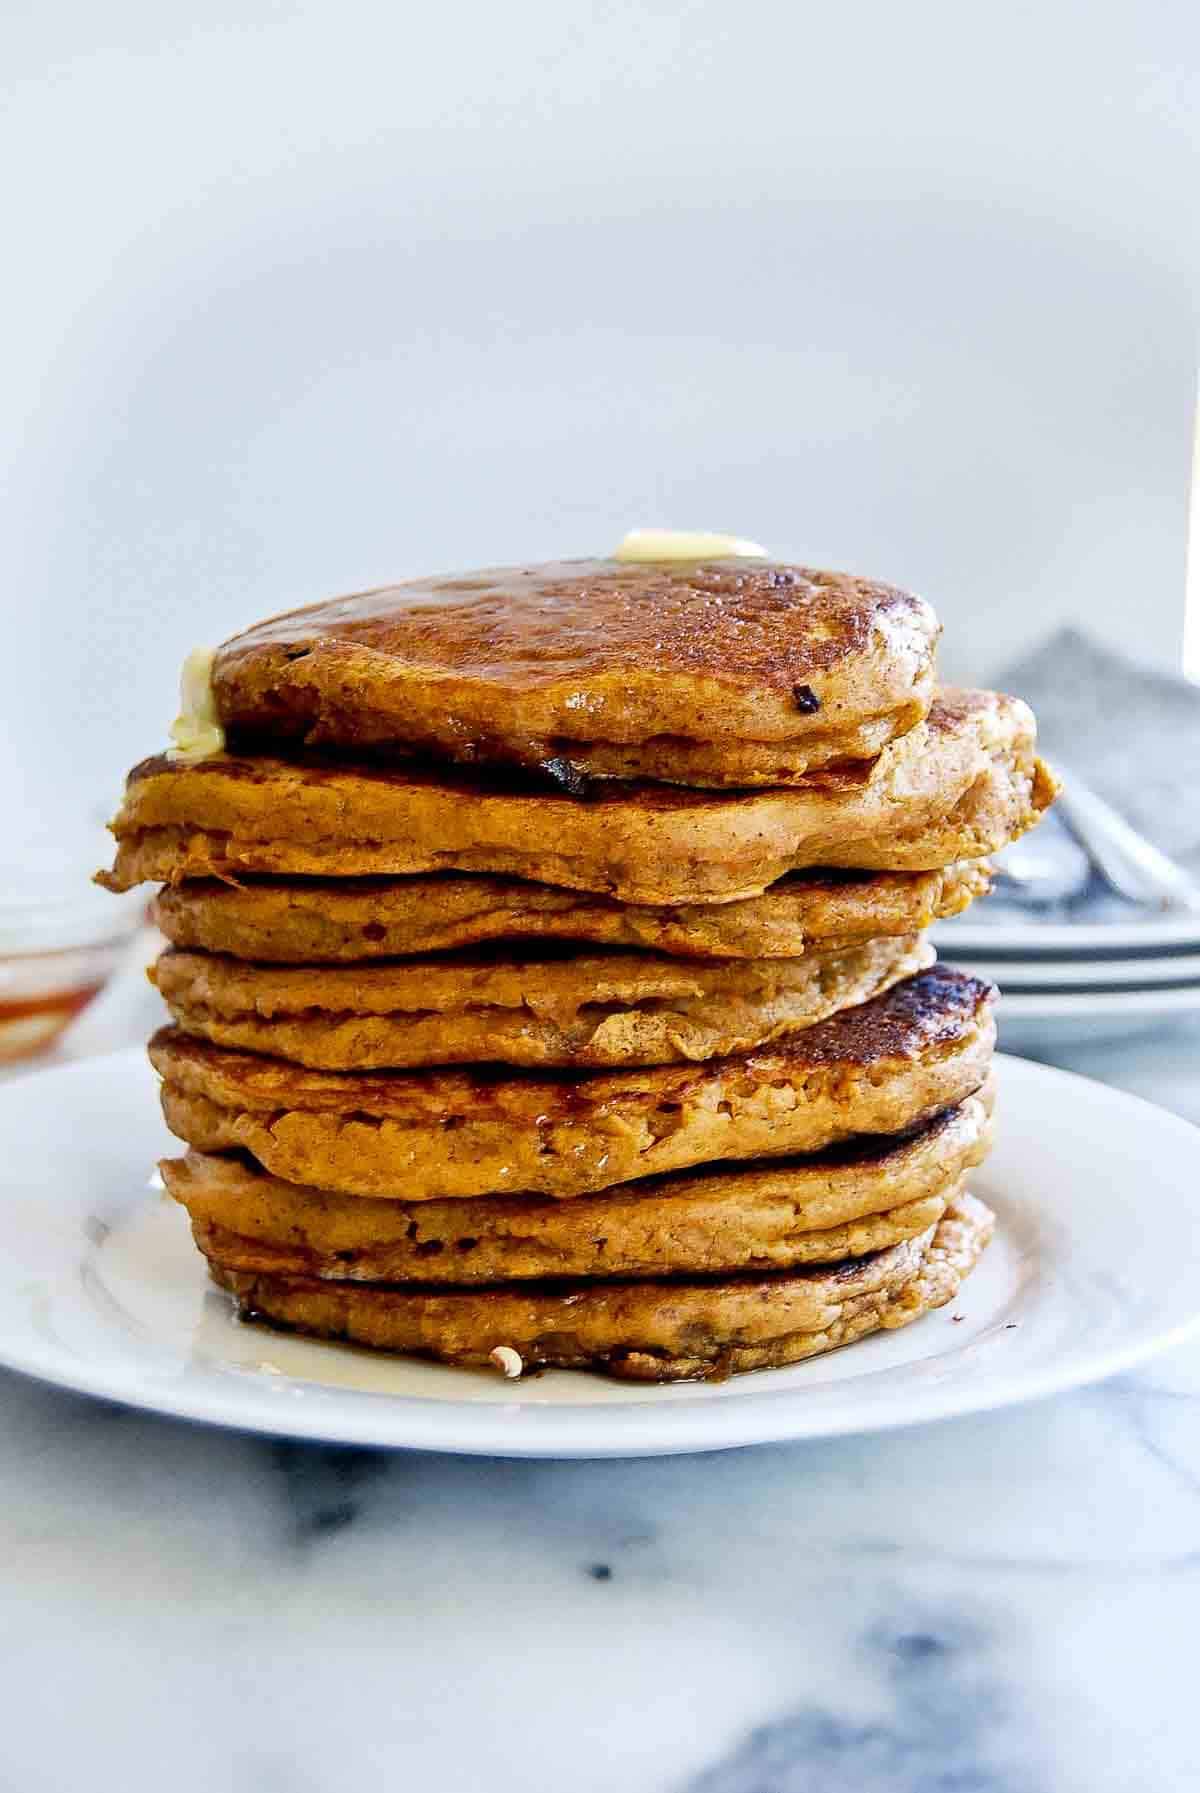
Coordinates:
[686,544]
[197,731]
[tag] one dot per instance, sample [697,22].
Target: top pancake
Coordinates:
[711,673]
[960,785]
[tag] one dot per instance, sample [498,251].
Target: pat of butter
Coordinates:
[686,544]
[197,731]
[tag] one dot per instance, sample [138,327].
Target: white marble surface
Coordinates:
[997,1605]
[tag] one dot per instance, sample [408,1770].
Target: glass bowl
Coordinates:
[61,939]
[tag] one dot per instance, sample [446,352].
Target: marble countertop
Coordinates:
[997,1605]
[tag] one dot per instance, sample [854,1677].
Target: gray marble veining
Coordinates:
[948,1717]
[1006,1602]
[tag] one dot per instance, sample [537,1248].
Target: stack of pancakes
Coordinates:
[547,965]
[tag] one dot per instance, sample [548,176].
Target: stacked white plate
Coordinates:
[1069,982]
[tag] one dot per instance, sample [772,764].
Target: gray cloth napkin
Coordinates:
[1132,731]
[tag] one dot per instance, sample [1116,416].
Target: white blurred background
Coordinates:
[300,299]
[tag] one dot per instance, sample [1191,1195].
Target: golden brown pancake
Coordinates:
[841,1203]
[593,1010]
[958,786]
[664,1331]
[311,921]
[728,672]
[882,1067]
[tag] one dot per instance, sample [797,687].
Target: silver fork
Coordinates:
[1124,858]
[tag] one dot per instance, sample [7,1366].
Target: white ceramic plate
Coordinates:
[970,937]
[1032,1019]
[102,1291]
[1100,976]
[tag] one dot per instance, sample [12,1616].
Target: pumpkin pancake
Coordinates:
[657,1331]
[311,921]
[726,672]
[879,1068]
[958,786]
[841,1203]
[589,1011]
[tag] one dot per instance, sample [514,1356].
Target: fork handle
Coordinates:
[1124,858]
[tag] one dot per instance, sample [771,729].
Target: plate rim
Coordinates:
[751,1416]
[1064,938]
[1023,1003]
[1085,976]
